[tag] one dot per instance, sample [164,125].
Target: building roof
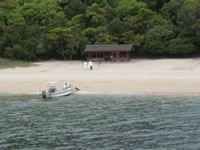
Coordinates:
[109,48]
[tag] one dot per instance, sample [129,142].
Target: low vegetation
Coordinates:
[6,63]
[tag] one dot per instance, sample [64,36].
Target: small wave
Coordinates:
[133,93]
[19,93]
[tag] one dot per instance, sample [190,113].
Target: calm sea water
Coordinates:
[100,122]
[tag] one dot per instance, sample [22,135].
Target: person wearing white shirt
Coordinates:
[65,85]
[85,65]
[90,65]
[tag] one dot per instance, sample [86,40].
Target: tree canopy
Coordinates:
[44,29]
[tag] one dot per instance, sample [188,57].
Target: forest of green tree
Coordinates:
[60,29]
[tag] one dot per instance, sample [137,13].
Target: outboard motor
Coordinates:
[44,94]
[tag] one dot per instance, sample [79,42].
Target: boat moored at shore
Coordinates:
[53,91]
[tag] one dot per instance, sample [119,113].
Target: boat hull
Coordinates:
[60,93]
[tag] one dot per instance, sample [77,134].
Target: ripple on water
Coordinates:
[100,122]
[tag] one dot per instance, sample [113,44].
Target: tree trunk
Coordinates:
[70,57]
[65,58]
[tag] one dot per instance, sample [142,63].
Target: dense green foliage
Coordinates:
[43,29]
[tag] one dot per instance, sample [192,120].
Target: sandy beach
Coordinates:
[136,76]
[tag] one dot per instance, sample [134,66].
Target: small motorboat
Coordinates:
[54,92]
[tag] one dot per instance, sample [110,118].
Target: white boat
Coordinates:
[54,92]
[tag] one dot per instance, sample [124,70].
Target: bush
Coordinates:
[17,52]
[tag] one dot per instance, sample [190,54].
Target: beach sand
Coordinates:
[136,76]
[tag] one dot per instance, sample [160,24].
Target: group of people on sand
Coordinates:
[88,65]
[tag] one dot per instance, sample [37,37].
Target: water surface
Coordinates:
[100,122]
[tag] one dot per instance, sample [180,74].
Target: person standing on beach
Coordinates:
[85,65]
[90,65]
[65,85]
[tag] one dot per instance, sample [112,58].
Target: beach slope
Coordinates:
[139,75]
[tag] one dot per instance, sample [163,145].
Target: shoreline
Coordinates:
[181,76]
[107,93]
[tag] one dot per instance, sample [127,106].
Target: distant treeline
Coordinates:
[44,29]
